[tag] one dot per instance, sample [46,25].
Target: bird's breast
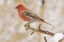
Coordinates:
[23,16]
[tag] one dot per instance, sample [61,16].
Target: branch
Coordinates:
[38,30]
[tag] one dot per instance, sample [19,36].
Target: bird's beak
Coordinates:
[16,7]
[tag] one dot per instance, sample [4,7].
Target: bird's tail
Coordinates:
[45,22]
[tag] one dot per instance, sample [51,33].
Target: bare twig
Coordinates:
[45,39]
[32,32]
[39,26]
[61,40]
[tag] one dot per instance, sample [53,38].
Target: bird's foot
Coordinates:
[27,26]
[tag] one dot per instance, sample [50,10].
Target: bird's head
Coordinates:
[20,6]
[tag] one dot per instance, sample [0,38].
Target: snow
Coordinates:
[56,37]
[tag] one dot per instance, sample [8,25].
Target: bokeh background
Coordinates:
[12,27]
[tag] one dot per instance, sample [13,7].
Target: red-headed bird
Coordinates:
[27,15]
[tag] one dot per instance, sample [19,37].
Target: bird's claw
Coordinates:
[27,26]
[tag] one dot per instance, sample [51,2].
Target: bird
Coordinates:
[27,15]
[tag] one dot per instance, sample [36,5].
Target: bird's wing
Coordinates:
[30,14]
[33,16]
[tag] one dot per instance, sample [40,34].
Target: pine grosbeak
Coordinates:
[27,15]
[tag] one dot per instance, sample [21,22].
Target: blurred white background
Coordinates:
[12,27]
